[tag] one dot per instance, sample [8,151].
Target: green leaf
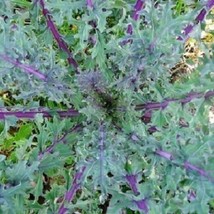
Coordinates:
[101,17]
[18,189]
[19,203]
[39,186]
[21,172]
[98,51]
[83,34]
[2,157]
[21,3]
[9,122]
[159,118]
[120,4]
[51,161]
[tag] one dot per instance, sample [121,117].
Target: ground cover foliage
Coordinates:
[91,121]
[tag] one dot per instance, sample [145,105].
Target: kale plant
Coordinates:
[90,119]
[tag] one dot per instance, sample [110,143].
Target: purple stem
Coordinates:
[138,5]
[56,141]
[200,18]
[209,94]
[149,107]
[89,4]
[142,205]
[190,167]
[210,4]
[164,154]
[129,29]
[69,195]
[137,8]
[152,129]
[188,29]
[191,195]
[60,41]
[135,16]
[26,68]
[147,116]
[187,165]
[32,113]
[132,181]
[162,105]
[101,151]
[62,209]
[134,137]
